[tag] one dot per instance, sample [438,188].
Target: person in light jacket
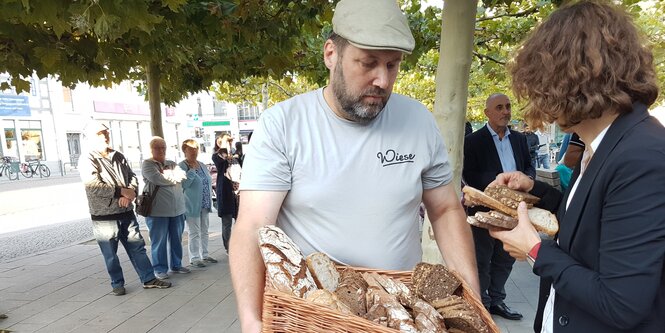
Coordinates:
[197,188]
[167,217]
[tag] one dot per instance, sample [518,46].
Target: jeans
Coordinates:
[198,235]
[544,161]
[108,234]
[166,234]
[227,223]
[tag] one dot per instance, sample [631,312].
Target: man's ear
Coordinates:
[330,54]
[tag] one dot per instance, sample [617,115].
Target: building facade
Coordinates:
[48,123]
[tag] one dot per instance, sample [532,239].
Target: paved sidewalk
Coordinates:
[67,290]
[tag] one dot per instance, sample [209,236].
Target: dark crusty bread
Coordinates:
[432,282]
[285,264]
[460,315]
[352,290]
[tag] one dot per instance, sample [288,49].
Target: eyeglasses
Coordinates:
[159,148]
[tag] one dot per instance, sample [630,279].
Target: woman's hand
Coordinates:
[519,241]
[514,180]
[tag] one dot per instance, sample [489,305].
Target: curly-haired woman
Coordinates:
[587,69]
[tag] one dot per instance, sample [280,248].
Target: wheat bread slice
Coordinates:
[323,271]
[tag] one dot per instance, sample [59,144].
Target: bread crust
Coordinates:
[285,264]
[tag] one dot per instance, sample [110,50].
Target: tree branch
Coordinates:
[519,14]
[484,56]
[281,88]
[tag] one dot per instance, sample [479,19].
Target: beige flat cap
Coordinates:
[373,25]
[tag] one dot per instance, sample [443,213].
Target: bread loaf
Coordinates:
[285,264]
[542,220]
[323,271]
[327,299]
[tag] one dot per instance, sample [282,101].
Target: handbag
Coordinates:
[144,201]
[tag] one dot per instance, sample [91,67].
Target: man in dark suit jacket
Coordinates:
[488,152]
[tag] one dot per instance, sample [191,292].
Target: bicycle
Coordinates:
[30,168]
[7,168]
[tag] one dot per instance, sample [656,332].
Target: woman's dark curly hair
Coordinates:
[585,59]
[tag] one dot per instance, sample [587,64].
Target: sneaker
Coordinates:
[210,260]
[118,291]
[3,316]
[156,283]
[181,270]
[161,275]
[197,263]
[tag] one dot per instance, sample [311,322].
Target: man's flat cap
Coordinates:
[373,25]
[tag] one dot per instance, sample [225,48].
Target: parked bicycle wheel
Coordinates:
[44,170]
[25,170]
[12,174]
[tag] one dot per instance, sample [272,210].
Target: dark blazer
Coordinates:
[482,163]
[609,266]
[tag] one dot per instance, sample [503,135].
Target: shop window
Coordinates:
[32,144]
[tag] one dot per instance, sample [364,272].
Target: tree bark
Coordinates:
[452,83]
[154,99]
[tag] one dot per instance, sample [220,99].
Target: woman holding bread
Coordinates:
[586,68]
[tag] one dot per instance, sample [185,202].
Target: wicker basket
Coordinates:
[287,313]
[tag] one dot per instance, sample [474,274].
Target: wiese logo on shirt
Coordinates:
[391,157]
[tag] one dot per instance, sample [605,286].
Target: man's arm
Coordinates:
[257,209]
[452,233]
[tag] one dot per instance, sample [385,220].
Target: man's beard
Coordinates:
[353,106]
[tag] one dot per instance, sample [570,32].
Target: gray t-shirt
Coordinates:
[353,190]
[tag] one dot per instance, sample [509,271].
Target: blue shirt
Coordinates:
[504,149]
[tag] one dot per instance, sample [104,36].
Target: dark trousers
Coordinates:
[227,223]
[494,266]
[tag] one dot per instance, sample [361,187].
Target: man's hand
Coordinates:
[520,240]
[515,180]
[124,202]
[128,193]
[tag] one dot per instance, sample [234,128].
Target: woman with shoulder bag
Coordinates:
[166,221]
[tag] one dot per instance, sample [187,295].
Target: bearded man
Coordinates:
[343,169]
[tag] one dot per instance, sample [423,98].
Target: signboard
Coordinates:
[217,123]
[122,108]
[12,106]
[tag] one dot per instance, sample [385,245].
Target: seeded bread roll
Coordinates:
[323,271]
[285,264]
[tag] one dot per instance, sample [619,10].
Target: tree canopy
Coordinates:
[500,27]
[194,43]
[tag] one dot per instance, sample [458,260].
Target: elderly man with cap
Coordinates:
[111,186]
[343,169]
